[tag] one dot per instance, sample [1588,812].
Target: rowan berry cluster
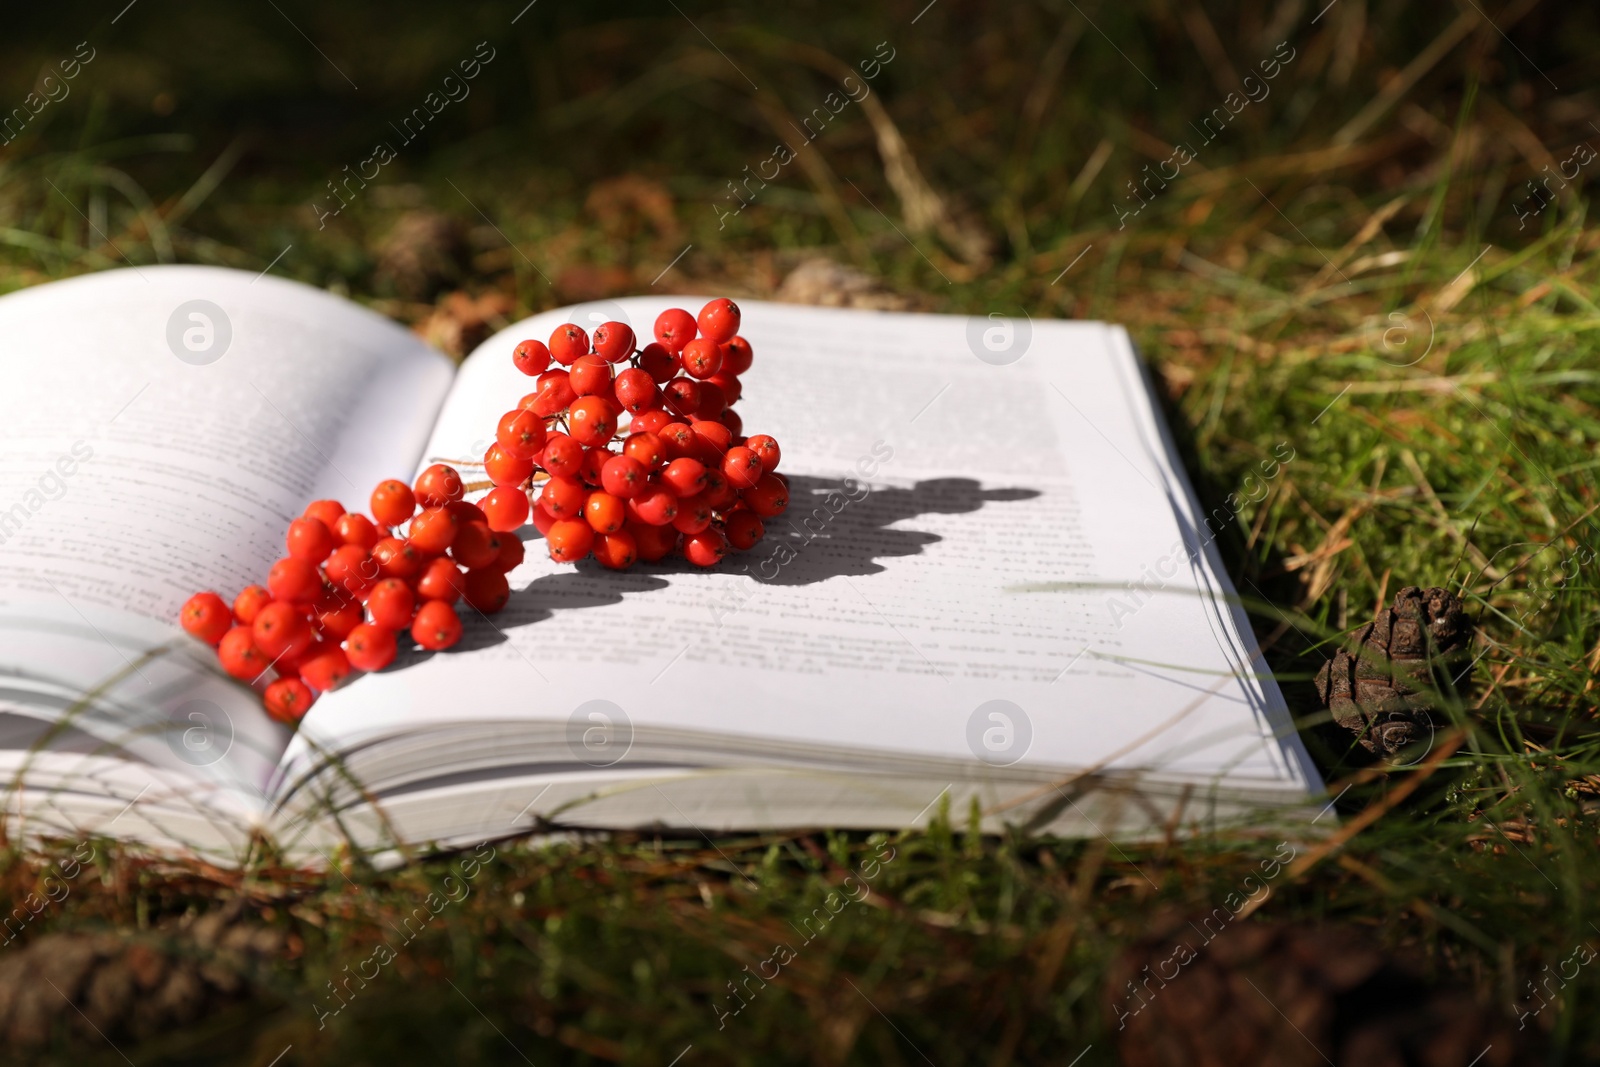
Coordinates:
[681,479]
[349,587]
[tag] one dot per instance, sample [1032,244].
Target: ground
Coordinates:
[1371,255]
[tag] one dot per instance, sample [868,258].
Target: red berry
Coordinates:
[604,512]
[531,357]
[542,520]
[736,355]
[592,420]
[434,529]
[337,616]
[281,631]
[590,376]
[511,554]
[768,497]
[351,569]
[718,493]
[719,320]
[613,341]
[507,508]
[766,449]
[706,548]
[636,391]
[616,551]
[650,422]
[694,514]
[553,395]
[677,440]
[520,435]
[249,601]
[436,626]
[310,540]
[564,498]
[706,450]
[438,486]
[239,656]
[594,461]
[624,477]
[466,511]
[681,396]
[569,540]
[743,529]
[713,401]
[657,362]
[396,558]
[288,699]
[393,502]
[391,604]
[475,545]
[294,579]
[325,668]
[563,456]
[652,542]
[729,386]
[702,358]
[675,328]
[717,438]
[730,418]
[742,466]
[646,448]
[326,510]
[685,477]
[568,343]
[441,580]
[370,647]
[505,469]
[354,528]
[654,507]
[486,590]
[206,616]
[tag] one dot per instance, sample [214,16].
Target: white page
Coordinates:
[907,612]
[131,478]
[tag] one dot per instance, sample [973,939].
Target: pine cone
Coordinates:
[820,280]
[1384,687]
[128,984]
[462,322]
[1277,995]
[422,254]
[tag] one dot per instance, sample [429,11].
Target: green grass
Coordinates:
[1267,305]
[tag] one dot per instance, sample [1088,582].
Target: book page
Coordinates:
[971,501]
[161,427]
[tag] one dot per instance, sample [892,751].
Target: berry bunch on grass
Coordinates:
[682,478]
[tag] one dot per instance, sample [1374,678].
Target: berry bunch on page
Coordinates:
[681,478]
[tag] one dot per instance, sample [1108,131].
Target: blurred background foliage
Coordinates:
[1024,121]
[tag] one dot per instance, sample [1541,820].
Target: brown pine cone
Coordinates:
[461,322]
[421,255]
[128,984]
[1383,687]
[820,280]
[1277,995]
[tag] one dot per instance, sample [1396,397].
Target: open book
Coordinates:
[992,588]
